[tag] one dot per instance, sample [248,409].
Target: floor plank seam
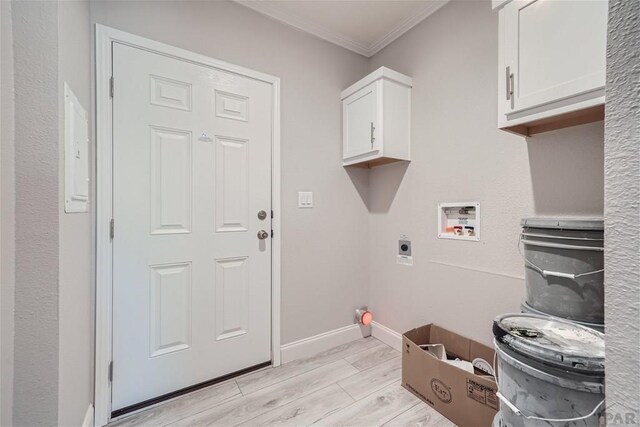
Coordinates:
[283,379]
[273,410]
[382,387]
[356,361]
[375,366]
[275,396]
[348,394]
[353,414]
[390,422]
[239,388]
[345,359]
[201,410]
[312,369]
[232,398]
[380,344]
[352,375]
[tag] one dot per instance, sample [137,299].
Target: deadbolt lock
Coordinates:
[262,215]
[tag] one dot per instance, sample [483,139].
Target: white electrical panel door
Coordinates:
[554,50]
[76,154]
[191,245]
[360,121]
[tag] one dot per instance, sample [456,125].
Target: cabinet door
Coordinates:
[359,115]
[554,49]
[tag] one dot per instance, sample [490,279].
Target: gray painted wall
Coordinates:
[53,320]
[35,26]
[50,334]
[7,201]
[325,269]
[622,212]
[76,319]
[458,154]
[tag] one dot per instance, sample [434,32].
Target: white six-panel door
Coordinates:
[191,171]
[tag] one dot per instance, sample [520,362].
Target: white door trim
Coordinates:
[105,37]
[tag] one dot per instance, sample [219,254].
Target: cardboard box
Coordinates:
[467,399]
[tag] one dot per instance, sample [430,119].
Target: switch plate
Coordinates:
[305,199]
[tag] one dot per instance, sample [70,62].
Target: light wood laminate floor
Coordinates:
[355,384]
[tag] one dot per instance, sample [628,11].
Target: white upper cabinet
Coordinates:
[552,63]
[360,122]
[376,113]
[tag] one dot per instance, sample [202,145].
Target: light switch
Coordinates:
[305,199]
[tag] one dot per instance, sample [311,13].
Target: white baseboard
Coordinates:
[88,417]
[311,346]
[386,335]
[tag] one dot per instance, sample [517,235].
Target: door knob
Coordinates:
[262,234]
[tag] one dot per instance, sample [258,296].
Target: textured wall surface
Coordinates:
[7,217]
[325,262]
[75,386]
[35,26]
[622,212]
[340,254]
[459,155]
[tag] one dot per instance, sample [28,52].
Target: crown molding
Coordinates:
[305,25]
[367,50]
[411,21]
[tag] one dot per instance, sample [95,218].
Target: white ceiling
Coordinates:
[363,26]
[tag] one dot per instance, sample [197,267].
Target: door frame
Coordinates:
[105,37]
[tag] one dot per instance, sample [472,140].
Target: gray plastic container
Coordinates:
[564,267]
[525,308]
[550,372]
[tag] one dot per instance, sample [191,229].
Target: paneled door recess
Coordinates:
[191,265]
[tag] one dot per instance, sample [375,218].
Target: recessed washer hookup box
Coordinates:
[468,399]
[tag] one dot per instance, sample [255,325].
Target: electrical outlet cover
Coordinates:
[404,247]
